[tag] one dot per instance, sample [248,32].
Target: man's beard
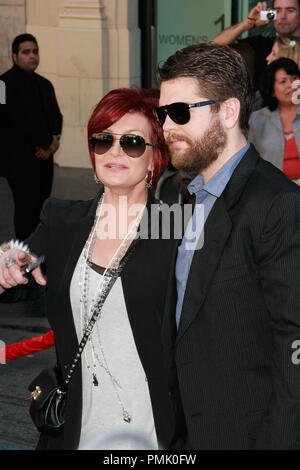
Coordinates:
[285,30]
[202,152]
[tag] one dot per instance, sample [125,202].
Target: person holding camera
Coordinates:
[286,17]
[275,129]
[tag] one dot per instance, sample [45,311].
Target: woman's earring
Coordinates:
[149,179]
[97,181]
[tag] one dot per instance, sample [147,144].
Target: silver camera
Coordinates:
[268,15]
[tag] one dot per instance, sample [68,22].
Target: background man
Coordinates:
[31,125]
[287,24]
[238,297]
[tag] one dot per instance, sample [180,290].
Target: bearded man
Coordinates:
[236,299]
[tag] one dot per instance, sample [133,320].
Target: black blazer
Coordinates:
[239,385]
[64,229]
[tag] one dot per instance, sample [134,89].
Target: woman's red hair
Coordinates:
[115,105]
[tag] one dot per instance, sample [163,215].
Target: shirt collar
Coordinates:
[218,182]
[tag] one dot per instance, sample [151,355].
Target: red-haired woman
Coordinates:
[118,396]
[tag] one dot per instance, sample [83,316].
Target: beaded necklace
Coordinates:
[85,312]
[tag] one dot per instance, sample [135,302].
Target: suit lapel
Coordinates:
[83,229]
[77,237]
[217,230]
[169,329]
[274,117]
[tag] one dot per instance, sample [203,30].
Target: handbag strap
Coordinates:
[109,280]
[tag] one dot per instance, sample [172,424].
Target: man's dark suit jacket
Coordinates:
[61,236]
[239,384]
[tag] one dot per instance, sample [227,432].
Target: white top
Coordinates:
[103,426]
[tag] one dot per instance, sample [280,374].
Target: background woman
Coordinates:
[118,398]
[275,129]
[285,47]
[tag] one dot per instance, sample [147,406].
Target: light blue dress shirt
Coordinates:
[206,196]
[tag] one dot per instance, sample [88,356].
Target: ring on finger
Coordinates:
[9,261]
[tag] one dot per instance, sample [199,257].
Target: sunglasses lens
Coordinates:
[161,113]
[179,113]
[133,145]
[102,142]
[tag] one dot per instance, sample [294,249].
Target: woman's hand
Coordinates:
[12,264]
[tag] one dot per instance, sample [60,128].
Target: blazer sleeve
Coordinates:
[280,282]
[38,240]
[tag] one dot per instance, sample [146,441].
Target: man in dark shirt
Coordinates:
[287,24]
[31,125]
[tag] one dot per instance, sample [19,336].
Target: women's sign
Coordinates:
[184,22]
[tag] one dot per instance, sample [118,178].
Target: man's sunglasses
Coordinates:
[133,145]
[178,112]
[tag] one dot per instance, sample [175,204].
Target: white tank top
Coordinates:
[103,426]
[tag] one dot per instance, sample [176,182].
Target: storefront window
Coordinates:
[184,22]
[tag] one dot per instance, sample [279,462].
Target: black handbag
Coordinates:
[48,396]
[48,402]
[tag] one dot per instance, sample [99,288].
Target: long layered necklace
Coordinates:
[86,312]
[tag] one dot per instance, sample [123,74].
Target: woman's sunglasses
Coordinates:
[133,145]
[178,112]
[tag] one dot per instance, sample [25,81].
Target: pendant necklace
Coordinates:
[85,312]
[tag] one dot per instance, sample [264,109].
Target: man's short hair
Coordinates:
[22,38]
[221,73]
